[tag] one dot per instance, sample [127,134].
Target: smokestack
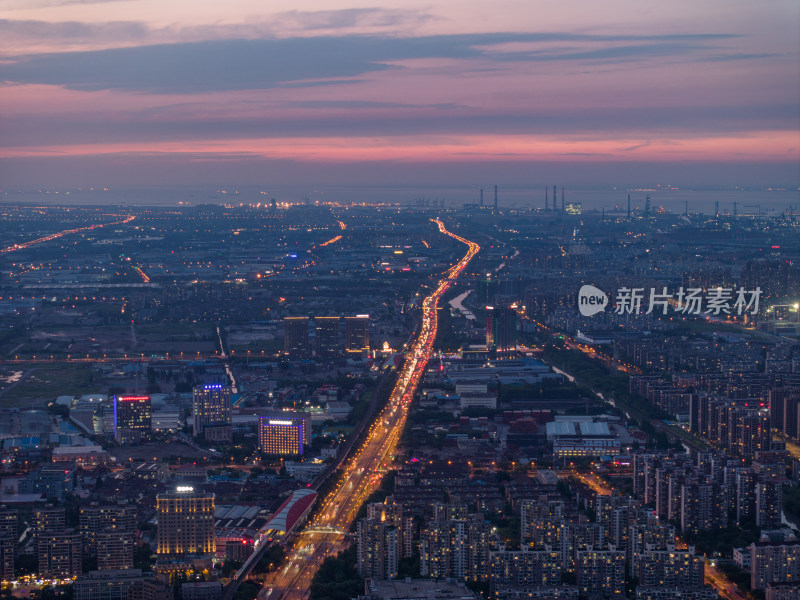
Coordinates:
[716,209]
[546,198]
[555,197]
[629,206]
[562,198]
[481,196]
[495,197]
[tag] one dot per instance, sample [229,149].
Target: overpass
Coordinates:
[288,516]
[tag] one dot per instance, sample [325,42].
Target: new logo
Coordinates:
[591,300]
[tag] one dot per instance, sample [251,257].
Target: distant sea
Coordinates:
[748,201]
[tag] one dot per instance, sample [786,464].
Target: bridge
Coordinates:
[324,529]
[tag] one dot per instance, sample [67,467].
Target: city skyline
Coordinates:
[142,93]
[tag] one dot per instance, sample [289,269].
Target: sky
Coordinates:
[330,92]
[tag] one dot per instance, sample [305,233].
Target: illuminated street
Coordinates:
[362,473]
[54,236]
[721,583]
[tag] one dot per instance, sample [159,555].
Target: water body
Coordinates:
[457,304]
[748,201]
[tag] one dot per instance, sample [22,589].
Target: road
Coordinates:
[59,234]
[722,584]
[326,534]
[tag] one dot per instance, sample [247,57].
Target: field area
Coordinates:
[84,338]
[170,451]
[40,384]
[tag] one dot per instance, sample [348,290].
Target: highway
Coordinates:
[54,236]
[326,534]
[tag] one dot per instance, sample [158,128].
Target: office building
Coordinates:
[132,419]
[283,433]
[50,480]
[501,328]
[201,590]
[356,333]
[211,412]
[295,341]
[327,340]
[581,437]
[59,555]
[185,522]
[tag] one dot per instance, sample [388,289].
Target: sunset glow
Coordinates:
[455,83]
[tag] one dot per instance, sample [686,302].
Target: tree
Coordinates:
[142,557]
[337,578]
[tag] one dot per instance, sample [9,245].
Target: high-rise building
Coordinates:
[378,549]
[327,332]
[702,507]
[9,534]
[48,520]
[455,548]
[390,512]
[751,433]
[96,519]
[672,568]
[185,522]
[527,570]
[283,433]
[601,573]
[115,549]
[783,410]
[295,341]
[501,328]
[769,503]
[487,289]
[356,333]
[744,494]
[774,563]
[211,412]
[132,419]
[646,534]
[123,584]
[59,555]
